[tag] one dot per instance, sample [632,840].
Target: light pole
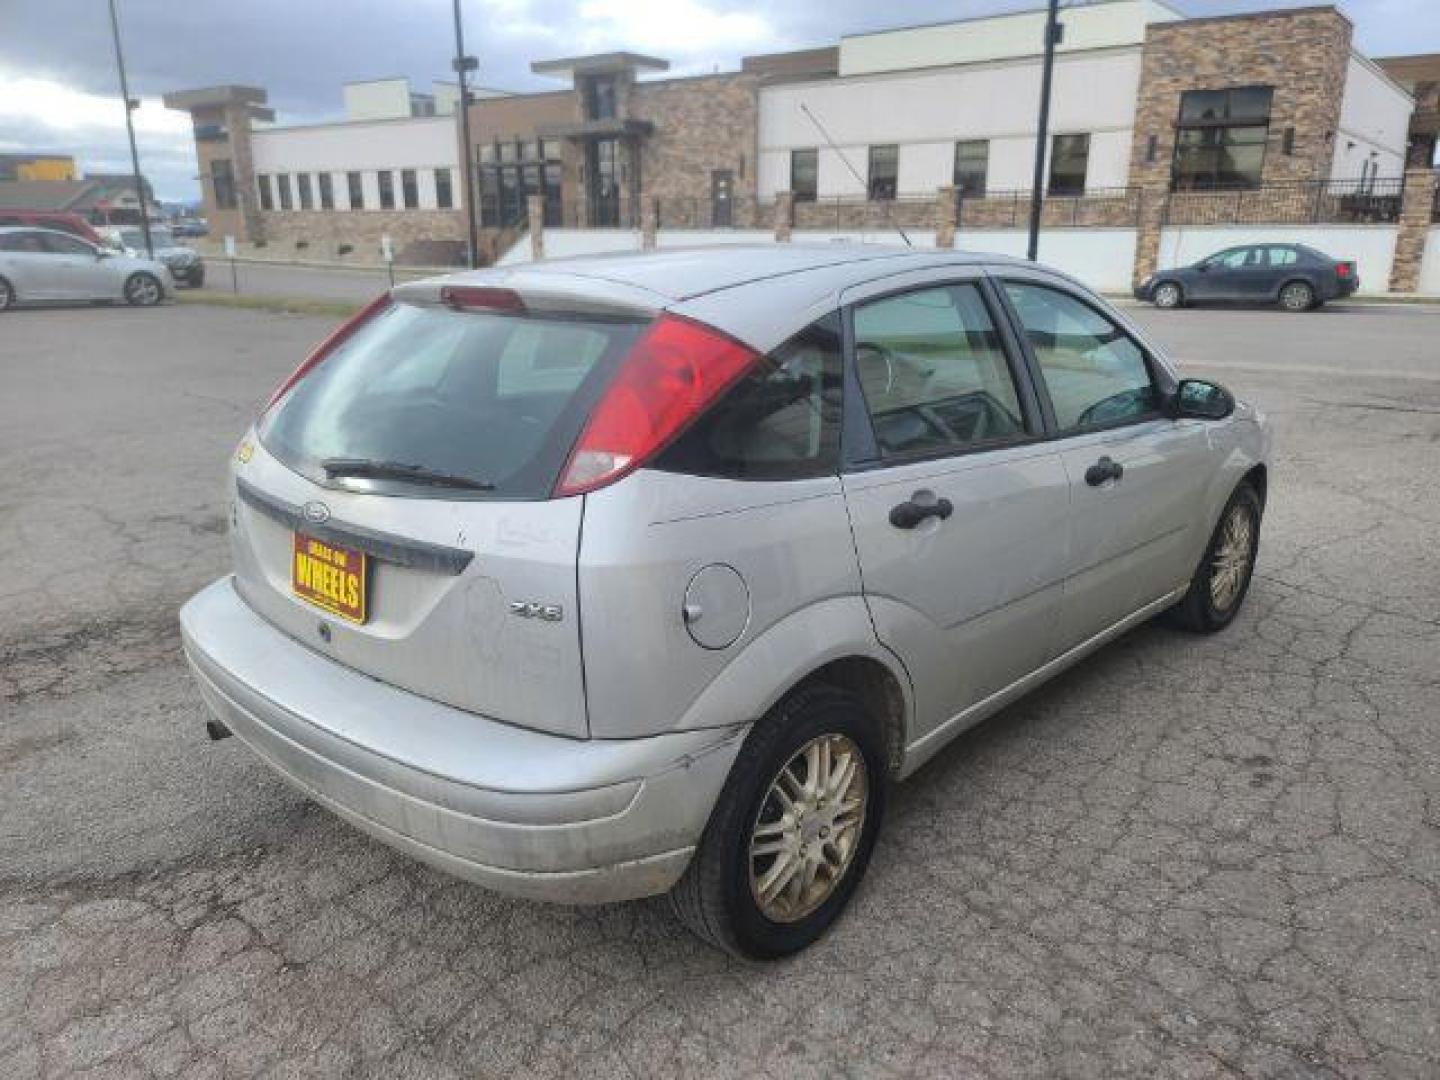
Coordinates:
[130,106]
[463,65]
[1037,194]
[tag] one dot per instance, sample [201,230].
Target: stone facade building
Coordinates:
[1159,121]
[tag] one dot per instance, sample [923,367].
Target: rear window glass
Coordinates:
[493,399]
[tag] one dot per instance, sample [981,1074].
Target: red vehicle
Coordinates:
[75,224]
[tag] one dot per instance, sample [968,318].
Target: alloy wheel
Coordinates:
[1167,296]
[1231,561]
[1296,297]
[808,828]
[143,291]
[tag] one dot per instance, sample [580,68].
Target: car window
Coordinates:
[933,372]
[23,241]
[780,422]
[67,245]
[1231,260]
[1094,372]
[1282,256]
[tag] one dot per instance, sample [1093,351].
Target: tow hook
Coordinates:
[216,730]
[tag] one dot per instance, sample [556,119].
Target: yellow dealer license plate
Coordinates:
[329,577]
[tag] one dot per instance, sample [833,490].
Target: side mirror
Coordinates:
[1204,268]
[1198,399]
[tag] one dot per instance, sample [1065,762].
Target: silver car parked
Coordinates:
[605,577]
[40,265]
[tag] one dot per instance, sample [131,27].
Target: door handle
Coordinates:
[917,508]
[1104,469]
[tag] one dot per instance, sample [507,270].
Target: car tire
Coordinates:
[769,801]
[7,295]
[1221,581]
[1297,296]
[1167,295]
[143,290]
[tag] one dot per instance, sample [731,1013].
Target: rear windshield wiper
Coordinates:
[399,470]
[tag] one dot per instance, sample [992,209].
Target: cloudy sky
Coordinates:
[58,86]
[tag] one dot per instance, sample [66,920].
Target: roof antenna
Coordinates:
[853,171]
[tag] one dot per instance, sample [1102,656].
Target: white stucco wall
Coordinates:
[1120,22]
[1430,267]
[377,99]
[1374,118]
[1103,259]
[1372,247]
[926,112]
[423,144]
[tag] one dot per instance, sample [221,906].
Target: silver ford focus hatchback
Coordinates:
[608,577]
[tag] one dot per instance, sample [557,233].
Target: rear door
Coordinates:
[958,505]
[28,265]
[1136,476]
[393,510]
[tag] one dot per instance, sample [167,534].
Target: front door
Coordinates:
[78,271]
[1136,477]
[722,191]
[958,506]
[1221,276]
[603,166]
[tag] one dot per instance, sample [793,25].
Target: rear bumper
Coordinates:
[521,812]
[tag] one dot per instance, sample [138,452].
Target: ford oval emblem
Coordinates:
[317,513]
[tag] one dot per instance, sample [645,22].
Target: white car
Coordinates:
[38,265]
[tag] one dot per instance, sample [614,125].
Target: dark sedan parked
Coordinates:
[1294,276]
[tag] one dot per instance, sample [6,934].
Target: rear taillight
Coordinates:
[1344,269]
[337,337]
[676,369]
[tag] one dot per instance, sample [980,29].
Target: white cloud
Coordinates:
[679,27]
[40,114]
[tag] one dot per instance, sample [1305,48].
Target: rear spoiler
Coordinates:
[565,295]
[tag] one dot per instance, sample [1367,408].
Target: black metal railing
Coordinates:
[1010,209]
[1301,202]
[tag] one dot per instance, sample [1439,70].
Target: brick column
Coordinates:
[945,217]
[784,216]
[649,221]
[1149,220]
[535,209]
[1417,203]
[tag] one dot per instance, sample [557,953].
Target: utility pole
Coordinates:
[463,65]
[130,106]
[1042,133]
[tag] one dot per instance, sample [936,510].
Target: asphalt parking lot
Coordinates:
[1186,857]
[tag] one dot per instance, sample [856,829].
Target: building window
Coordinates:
[222,176]
[302,181]
[804,174]
[357,190]
[503,188]
[1069,155]
[884,167]
[409,189]
[972,162]
[267,197]
[444,194]
[600,98]
[1220,138]
[387,189]
[286,203]
[327,191]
